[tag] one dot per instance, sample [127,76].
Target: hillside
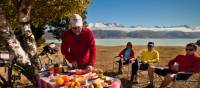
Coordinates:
[115,30]
[144,34]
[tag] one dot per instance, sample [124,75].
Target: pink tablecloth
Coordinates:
[44,82]
[116,83]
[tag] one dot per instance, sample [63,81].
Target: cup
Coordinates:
[60,69]
[55,68]
[51,69]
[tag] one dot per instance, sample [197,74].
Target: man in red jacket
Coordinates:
[78,44]
[189,62]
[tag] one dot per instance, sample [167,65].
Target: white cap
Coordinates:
[76,20]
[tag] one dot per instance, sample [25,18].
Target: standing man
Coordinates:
[78,44]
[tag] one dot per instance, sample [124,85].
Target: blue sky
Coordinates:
[145,12]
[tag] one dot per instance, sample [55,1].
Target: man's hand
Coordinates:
[74,64]
[174,68]
[90,68]
[131,61]
[145,62]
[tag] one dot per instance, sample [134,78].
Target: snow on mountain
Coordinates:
[197,28]
[120,27]
[102,25]
[97,25]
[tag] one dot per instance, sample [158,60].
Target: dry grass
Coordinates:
[105,60]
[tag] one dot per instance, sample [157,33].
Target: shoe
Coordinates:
[136,81]
[131,78]
[150,85]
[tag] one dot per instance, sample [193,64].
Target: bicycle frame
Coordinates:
[27,70]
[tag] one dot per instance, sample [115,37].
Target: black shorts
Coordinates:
[124,62]
[143,66]
[165,71]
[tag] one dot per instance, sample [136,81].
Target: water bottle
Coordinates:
[176,66]
[46,67]
[69,65]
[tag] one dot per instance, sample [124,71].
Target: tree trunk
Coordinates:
[29,43]
[28,40]
[12,44]
[26,50]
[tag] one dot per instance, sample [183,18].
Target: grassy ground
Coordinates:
[105,60]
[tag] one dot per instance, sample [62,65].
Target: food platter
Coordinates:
[77,78]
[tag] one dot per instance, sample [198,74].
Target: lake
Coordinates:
[140,41]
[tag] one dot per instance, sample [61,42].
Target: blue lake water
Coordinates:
[140,41]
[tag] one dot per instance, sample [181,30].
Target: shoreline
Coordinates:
[138,42]
[135,46]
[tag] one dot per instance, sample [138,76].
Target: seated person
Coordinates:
[126,56]
[147,57]
[198,43]
[182,63]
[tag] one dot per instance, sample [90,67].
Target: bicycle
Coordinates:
[14,70]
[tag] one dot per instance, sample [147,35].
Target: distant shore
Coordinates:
[139,41]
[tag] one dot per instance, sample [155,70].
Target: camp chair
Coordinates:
[141,72]
[189,81]
[116,65]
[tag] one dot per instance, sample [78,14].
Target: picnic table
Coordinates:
[87,80]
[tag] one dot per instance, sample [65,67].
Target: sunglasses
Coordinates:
[189,49]
[149,46]
[76,27]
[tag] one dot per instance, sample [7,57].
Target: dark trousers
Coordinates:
[121,62]
[138,65]
[166,71]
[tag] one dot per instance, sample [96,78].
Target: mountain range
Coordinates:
[116,30]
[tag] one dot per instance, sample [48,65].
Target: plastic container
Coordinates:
[60,68]
[176,66]
[55,68]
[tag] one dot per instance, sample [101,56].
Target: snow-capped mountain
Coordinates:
[120,27]
[102,25]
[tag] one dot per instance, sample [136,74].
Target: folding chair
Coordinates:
[140,72]
[116,66]
[187,82]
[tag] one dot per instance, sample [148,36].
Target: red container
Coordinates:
[56,68]
[38,81]
[43,84]
[51,70]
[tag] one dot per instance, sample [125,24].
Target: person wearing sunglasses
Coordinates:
[190,62]
[78,44]
[147,57]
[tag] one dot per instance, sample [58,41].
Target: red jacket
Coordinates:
[121,54]
[81,49]
[187,63]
